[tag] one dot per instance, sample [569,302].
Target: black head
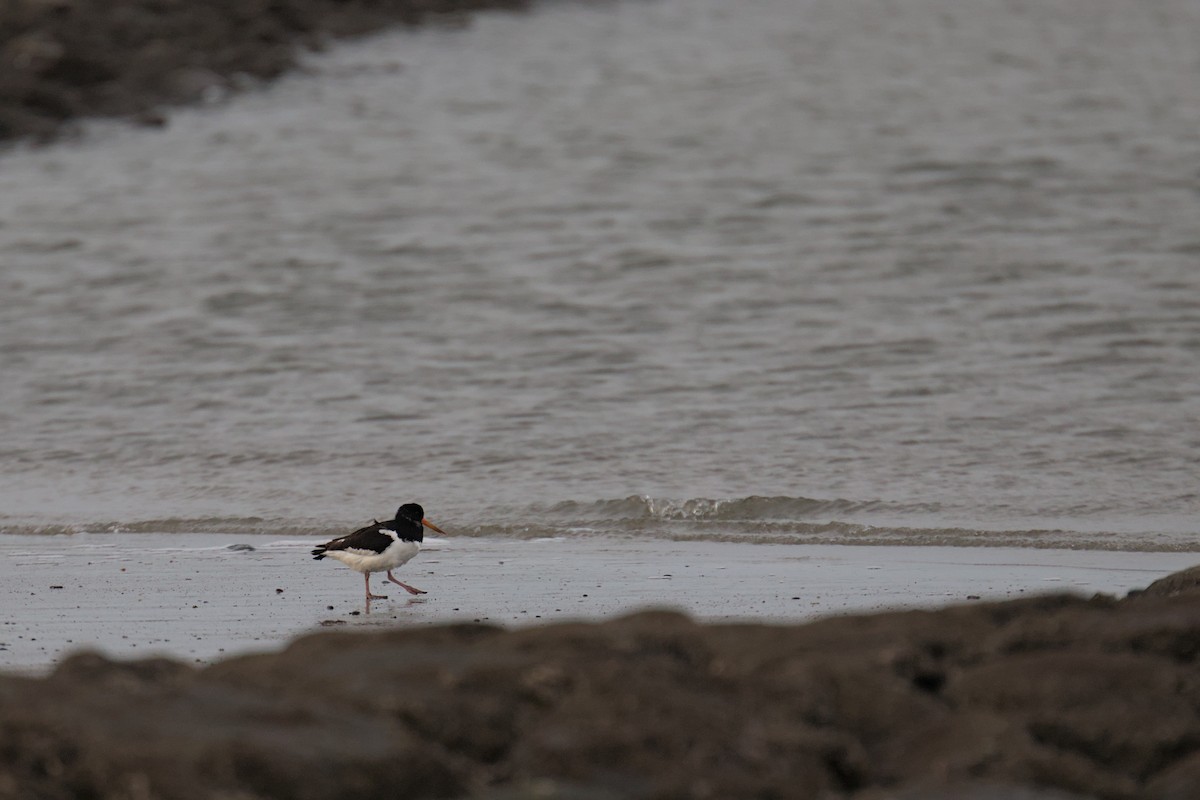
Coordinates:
[410,523]
[411,512]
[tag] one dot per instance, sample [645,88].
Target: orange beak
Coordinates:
[433,527]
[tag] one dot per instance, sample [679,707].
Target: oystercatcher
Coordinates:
[382,546]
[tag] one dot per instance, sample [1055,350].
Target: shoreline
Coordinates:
[200,598]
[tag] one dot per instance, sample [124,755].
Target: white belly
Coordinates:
[369,561]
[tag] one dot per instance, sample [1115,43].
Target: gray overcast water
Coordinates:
[783,270]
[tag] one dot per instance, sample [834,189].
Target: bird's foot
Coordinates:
[405,586]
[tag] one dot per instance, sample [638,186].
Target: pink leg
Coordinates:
[405,586]
[370,597]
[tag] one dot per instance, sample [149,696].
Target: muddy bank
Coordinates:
[1048,697]
[65,59]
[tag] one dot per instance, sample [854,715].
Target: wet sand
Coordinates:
[202,597]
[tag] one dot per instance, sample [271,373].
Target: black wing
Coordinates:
[371,538]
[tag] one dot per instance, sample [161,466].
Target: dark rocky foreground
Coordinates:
[65,59]
[1053,697]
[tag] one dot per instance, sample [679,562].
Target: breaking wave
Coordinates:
[753,508]
[747,520]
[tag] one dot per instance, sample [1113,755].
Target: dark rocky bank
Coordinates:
[65,59]
[1044,698]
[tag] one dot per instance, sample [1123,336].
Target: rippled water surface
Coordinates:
[827,270]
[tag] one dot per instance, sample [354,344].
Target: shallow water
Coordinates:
[835,270]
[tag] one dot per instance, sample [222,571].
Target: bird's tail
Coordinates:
[319,553]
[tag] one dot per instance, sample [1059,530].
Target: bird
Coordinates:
[381,546]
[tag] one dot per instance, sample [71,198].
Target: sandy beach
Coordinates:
[202,597]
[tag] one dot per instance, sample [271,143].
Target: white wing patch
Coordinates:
[357,551]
